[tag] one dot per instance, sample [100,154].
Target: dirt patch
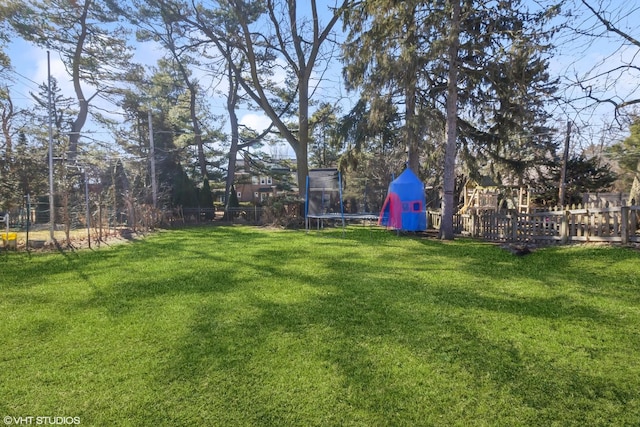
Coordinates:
[518,249]
[39,241]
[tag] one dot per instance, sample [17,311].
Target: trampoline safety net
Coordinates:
[323,192]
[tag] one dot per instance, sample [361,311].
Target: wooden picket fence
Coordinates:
[613,224]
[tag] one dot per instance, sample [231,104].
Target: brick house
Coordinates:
[255,183]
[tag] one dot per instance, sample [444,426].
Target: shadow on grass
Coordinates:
[344,345]
[552,307]
[340,351]
[295,329]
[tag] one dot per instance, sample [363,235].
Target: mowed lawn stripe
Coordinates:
[250,326]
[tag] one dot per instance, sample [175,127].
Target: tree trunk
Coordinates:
[634,193]
[83,103]
[233,152]
[413,158]
[563,172]
[197,137]
[7,116]
[232,99]
[302,148]
[411,131]
[448,202]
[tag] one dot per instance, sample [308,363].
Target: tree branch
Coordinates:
[609,26]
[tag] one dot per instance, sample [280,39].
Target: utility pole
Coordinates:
[52,213]
[86,201]
[563,172]
[28,197]
[152,155]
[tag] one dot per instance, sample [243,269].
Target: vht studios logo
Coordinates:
[9,420]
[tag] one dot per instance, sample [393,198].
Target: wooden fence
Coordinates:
[617,225]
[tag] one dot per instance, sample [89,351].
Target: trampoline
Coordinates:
[323,201]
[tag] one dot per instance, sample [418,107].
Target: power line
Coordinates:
[38,85]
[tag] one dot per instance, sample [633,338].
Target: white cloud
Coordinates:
[257,122]
[58,71]
[275,147]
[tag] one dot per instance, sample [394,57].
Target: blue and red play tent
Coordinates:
[405,206]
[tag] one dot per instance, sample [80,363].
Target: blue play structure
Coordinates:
[405,207]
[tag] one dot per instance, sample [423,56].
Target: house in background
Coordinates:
[257,181]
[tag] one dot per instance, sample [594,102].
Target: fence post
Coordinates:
[472,225]
[564,227]
[624,224]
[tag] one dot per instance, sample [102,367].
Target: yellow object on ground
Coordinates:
[9,240]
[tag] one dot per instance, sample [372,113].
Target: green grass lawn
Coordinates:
[245,326]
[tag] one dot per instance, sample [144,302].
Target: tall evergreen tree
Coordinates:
[164,94]
[30,176]
[90,41]
[323,150]
[583,175]
[155,23]
[383,60]
[462,54]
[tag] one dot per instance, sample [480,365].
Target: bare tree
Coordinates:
[276,37]
[614,79]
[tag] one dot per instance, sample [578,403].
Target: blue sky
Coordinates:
[30,69]
[576,57]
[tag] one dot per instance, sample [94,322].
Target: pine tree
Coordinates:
[165,96]
[627,155]
[480,79]
[91,43]
[323,151]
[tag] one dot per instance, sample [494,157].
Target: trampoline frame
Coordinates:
[342,216]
